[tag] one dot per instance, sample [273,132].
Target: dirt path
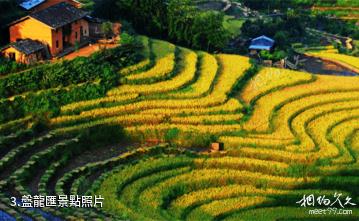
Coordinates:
[88,50]
[346,41]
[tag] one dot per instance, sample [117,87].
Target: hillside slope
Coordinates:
[286,134]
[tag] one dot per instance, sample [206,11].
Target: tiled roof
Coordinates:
[28,46]
[59,15]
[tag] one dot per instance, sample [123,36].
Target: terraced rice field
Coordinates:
[347,11]
[286,134]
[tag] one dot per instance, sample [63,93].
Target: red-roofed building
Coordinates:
[57,27]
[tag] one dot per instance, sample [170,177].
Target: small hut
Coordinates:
[217,146]
[261,43]
[25,51]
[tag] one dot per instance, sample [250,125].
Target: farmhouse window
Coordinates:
[12,56]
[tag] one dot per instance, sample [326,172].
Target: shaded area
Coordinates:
[90,156]
[217,6]
[318,66]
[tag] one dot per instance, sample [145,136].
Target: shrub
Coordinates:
[7,66]
[171,134]
[127,39]
[275,56]
[66,73]
[102,135]
[94,76]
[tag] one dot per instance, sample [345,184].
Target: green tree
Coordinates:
[148,16]
[178,20]
[197,29]
[106,28]
[127,39]
[107,9]
[281,39]
[171,135]
[181,15]
[209,32]
[266,55]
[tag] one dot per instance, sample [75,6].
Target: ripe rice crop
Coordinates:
[164,61]
[264,166]
[312,119]
[270,78]
[231,105]
[133,68]
[216,208]
[284,134]
[218,96]
[206,119]
[271,154]
[318,128]
[245,141]
[283,121]
[97,102]
[162,67]
[341,132]
[207,73]
[218,193]
[185,75]
[265,105]
[141,65]
[211,129]
[355,143]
